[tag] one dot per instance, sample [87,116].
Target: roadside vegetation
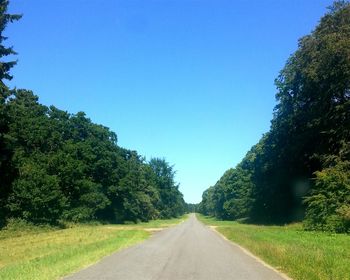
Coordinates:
[57,167]
[32,252]
[302,255]
[65,183]
[300,169]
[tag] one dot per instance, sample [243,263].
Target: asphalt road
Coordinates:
[187,251]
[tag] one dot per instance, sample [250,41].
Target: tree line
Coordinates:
[300,169]
[56,166]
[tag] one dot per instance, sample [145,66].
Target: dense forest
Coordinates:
[300,169]
[56,166]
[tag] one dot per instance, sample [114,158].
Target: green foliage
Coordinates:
[139,201]
[329,202]
[171,203]
[36,195]
[309,135]
[64,167]
[57,167]
[5,66]
[191,208]
[232,196]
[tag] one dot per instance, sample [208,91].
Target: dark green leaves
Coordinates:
[307,147]
[64,167]
[5,66]
[329,202]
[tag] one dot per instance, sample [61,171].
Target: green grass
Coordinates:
[162,223]
[299,254]
[47,253]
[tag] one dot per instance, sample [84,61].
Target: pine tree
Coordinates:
[5,66]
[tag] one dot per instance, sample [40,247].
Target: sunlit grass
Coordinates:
[49,253]
[300,254]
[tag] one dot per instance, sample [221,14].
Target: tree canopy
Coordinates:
[56,166]
[301,165]
[65,167]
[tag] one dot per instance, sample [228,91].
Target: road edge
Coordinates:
[152,232]
[250,254]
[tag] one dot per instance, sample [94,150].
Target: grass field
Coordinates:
[300,254]
[48,253]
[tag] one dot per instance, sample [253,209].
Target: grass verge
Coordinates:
[47,253]
[302,255]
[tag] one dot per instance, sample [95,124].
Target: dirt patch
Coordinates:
[153,229]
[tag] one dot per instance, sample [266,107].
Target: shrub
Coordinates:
[328,205]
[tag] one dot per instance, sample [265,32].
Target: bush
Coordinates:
[36,196]
[328,206]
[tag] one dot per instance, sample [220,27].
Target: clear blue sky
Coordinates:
[190,81]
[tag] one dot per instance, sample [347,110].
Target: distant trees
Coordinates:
[301,164]
[232,196]
[56,166]
[191,207]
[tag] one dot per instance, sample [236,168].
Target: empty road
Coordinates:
[187,251]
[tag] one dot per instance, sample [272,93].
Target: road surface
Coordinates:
[189,250]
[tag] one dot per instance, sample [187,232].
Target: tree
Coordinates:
[59,166]
[5,66]
[65,167]
[36,196]
[308,142]
[171,203]
[137,193]
[329,202]
[311,123]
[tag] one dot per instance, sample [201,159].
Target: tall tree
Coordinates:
[5,66]
[171,203]
[69,168]
[307,150]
